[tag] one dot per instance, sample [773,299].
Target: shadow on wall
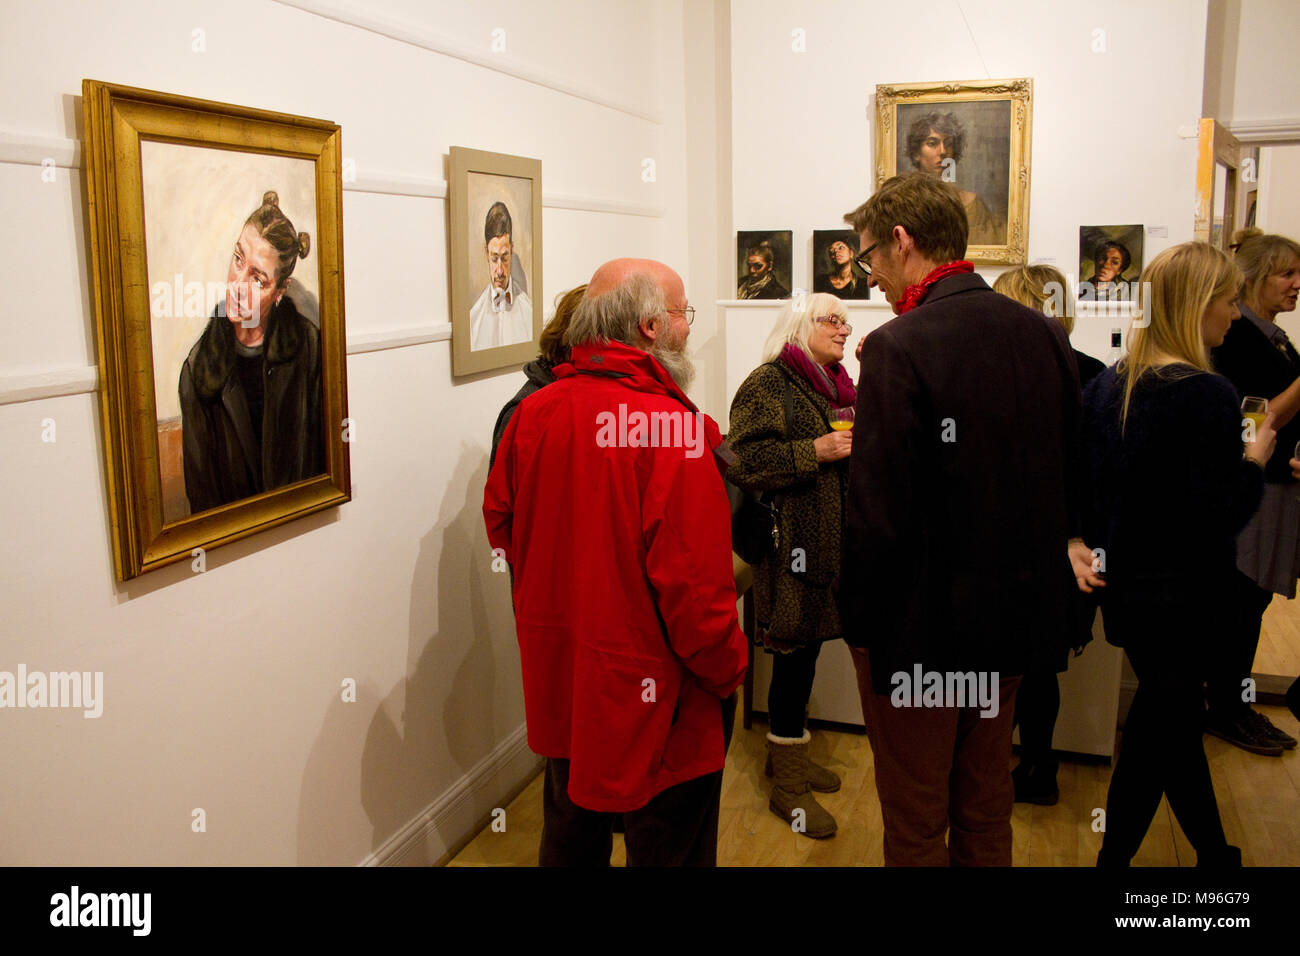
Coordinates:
[446,704]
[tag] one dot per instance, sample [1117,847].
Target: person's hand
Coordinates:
[857,352]
[1295,468]
[834,446]
[1085,565]
[1261,449]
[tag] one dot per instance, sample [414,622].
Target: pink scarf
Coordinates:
[831,382]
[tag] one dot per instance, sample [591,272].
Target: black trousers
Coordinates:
[1038,702]
[792,680]
[678,827]
[1233,655]
[1162,751]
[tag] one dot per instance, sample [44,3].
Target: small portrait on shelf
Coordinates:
[1110,263]
[763,264]
[496,259]
[834,267]
[974,135]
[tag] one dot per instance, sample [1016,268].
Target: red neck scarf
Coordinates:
[914,295]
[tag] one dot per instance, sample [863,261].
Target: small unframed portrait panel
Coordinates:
[196,200]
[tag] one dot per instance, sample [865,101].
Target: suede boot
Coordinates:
[819,778]
[790,789]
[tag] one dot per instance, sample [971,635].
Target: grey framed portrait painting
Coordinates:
[216,248]
[495,250]
[974,134]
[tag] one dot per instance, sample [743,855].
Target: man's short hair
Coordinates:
[1099,257]
[930,210]
[497,223]
[614,316]
[763,250]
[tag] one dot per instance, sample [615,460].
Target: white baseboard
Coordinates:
[442,827]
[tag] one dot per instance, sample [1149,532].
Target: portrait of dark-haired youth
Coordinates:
[833,264]
[1110,262]
[968,145]
[503,312]
[763,263]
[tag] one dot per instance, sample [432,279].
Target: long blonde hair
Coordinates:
[1178,285]
[795,322]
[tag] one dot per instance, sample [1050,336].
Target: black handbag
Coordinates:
[756,515]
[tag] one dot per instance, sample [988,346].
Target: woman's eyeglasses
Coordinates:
[836,323]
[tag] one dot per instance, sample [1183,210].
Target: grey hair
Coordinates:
[795,322]
[613,316]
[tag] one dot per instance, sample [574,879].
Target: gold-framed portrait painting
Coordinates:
[974,134]
[216,246]
[495,247]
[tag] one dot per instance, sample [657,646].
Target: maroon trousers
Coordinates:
[941,769]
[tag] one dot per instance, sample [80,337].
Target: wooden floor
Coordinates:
[1259,800]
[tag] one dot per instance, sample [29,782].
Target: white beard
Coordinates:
[676,362]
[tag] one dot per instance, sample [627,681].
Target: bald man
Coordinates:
[606,498]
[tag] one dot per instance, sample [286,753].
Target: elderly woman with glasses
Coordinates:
[785,445]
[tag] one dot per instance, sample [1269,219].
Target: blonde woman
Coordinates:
[1038,700]
[807,463]
[1170,490]
[1259,359]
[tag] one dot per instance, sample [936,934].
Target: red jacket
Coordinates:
[625,604]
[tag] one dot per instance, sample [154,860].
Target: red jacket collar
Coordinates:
[637,368]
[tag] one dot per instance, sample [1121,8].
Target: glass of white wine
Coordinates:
[1255,409]
[842,418]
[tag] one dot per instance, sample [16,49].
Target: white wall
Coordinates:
[222,688]
[1250,77]
[1106,142]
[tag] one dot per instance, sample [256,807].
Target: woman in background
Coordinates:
[540,371]
[807,462]
[1170,490]
[1038,700]
[1259,359]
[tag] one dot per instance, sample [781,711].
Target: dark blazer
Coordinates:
[224,460]
[964,441]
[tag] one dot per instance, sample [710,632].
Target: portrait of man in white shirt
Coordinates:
[503,314]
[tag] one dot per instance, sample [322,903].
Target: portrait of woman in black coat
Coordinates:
[250,389]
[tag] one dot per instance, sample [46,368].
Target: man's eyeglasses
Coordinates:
[836,323]
[689,312]
[863,261]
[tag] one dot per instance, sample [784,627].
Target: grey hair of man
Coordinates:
[614,316]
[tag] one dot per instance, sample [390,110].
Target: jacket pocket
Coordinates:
[622,714]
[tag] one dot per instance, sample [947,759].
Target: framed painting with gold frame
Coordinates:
[216,251]
[974,134]
[495,247]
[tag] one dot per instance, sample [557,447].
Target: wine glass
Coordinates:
[842,418]
[1254,409]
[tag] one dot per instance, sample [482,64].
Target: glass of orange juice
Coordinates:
[842,418]
[1255,409]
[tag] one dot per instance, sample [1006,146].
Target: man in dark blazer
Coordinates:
[955,573]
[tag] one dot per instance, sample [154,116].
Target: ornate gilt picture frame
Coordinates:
[495,246]
[216,250]
[974,134]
